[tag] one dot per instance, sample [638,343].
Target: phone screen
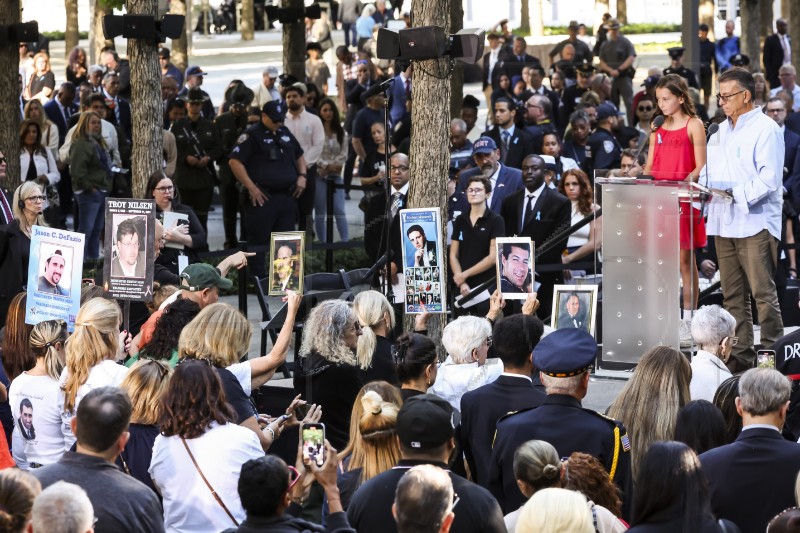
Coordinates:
[765,358]
[314,443]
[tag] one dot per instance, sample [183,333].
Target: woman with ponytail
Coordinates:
[374,352]
[17,491]
[417,363]
[92,352]
[34,398]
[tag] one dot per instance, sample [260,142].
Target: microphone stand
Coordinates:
[387,230]
[657,122]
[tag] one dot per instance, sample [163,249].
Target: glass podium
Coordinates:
[641,263]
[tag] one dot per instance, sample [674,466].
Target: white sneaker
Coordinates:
[685,333]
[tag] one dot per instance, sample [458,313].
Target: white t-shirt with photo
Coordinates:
[104,374]
[43,443]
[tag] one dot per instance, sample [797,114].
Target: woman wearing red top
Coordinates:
[678,152]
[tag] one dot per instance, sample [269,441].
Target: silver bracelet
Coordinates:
[271,432]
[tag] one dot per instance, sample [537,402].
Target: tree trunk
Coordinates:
[430,136]
[147,142]
[751,18]
[537,21]
[524,17]
[786,10]
[9,102]
[98,40]
[794,21]
[457,78]
[600,7]
[247,23]
[180,46]
[294,44]
[71,34]
[706,16]
[765,26]
[622,11]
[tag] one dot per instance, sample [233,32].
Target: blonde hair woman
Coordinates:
[326,370]
[34,110]
[145,384]
[467,340]
[31,197]
[374,353]
[37,391]
[92,352]
[648,405]
[220,335]
[556,511]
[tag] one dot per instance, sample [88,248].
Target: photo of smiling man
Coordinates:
[53,272]
[514,267]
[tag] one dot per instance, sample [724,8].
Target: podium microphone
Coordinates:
[657,122]
[375,89]
[705,196]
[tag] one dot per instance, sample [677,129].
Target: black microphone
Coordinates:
[375,89]
[712,129]
[657,122]
[705,197]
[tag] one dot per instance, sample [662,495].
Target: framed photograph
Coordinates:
[129,248]
[514,267]
[286,253]
[575,306]
[422,259]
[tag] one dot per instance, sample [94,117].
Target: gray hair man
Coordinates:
[62,508]
[713,330]
[759,457]
[424,501]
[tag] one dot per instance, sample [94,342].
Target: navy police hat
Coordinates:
[274,110]
[565,353]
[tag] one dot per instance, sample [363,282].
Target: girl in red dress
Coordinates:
[677,153]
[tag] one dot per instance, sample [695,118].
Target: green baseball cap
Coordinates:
[199,276]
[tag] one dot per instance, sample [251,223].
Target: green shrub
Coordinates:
[59,35]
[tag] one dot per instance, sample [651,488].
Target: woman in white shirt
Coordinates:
[713,330]
[36,160]
[584,242]
[35,111]
[198,440]
[467,340]
[33,396]
[92,352]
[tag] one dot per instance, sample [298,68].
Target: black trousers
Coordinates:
[277,214]
[305,204]
[230,205]
[349,165]
[200,201]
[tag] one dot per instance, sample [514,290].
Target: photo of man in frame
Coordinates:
[573,311]
[54,270]
[287,263]
[514,268]
[129,261]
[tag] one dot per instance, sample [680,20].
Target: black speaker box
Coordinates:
[388,44]
[112,26]
[171,26]
[24,32]
[467,45]
[425,42]
[139,27]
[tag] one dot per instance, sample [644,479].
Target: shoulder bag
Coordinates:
[213,492]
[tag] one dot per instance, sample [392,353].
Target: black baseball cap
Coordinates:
[426,421]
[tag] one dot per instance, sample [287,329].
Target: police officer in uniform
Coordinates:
[564,359]
[198,145]
[572,94]
[230,126]
[677,67]
[606,153]
[268,162]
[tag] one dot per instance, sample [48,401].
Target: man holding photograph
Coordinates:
[130,261]
[53,270]
[572,315]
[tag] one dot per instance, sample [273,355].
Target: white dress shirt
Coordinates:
[309,132]
[749,160]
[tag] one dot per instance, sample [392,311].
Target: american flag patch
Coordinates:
[626,443]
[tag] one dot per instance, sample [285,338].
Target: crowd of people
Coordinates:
[155,428]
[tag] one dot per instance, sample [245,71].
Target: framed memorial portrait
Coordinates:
[514,267]
[129,248]
[575,306]
[286,260]
[423,260]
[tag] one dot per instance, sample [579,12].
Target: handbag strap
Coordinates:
[213,492]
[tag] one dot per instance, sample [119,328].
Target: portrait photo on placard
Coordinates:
[514,267]
[286,253]
[55,269]
[574,306]
[422,258]
[128,247]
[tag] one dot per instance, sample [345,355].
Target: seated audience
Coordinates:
[64,508]
[101,429]
[417,364]
[424,501]
[760,457]
[700,426]
[715,337]
[374,352]
[163,345]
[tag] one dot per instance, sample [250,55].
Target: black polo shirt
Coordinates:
[474,241]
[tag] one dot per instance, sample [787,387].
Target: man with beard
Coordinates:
[538,212]
[515,260]
[505,180]
[53,270]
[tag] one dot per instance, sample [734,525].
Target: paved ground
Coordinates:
[226,57]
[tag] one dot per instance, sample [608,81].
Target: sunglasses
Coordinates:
[646,108]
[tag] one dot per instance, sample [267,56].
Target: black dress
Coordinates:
[382,367]
[138,453]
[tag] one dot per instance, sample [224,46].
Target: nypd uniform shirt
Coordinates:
[270,158]
[685,73]
[606,151]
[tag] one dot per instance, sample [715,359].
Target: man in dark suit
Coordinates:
[753,479]
[121,67]
[375,216]
[776,47]
[6,212]
[514,338]
[505,180]
[399,93]
[573,315]
[59,109]
[491,66]
[538,212]
[513,61]
[121,108]
[130,261]
[514,143]
[563,358]
[776,110]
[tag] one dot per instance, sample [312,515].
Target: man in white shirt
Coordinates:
[307,129]
[266,90]
[745,159]
[788,78]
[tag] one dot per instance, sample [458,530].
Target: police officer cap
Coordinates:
[484,145]
[585,67]
[195,95]
[740,60]
[274,110]
[241,95]
[650,81]
[285,80]
[549,162]
[565,352]
[676,51]
[605,111]
[426,421]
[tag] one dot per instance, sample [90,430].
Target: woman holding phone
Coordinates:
[678,152]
